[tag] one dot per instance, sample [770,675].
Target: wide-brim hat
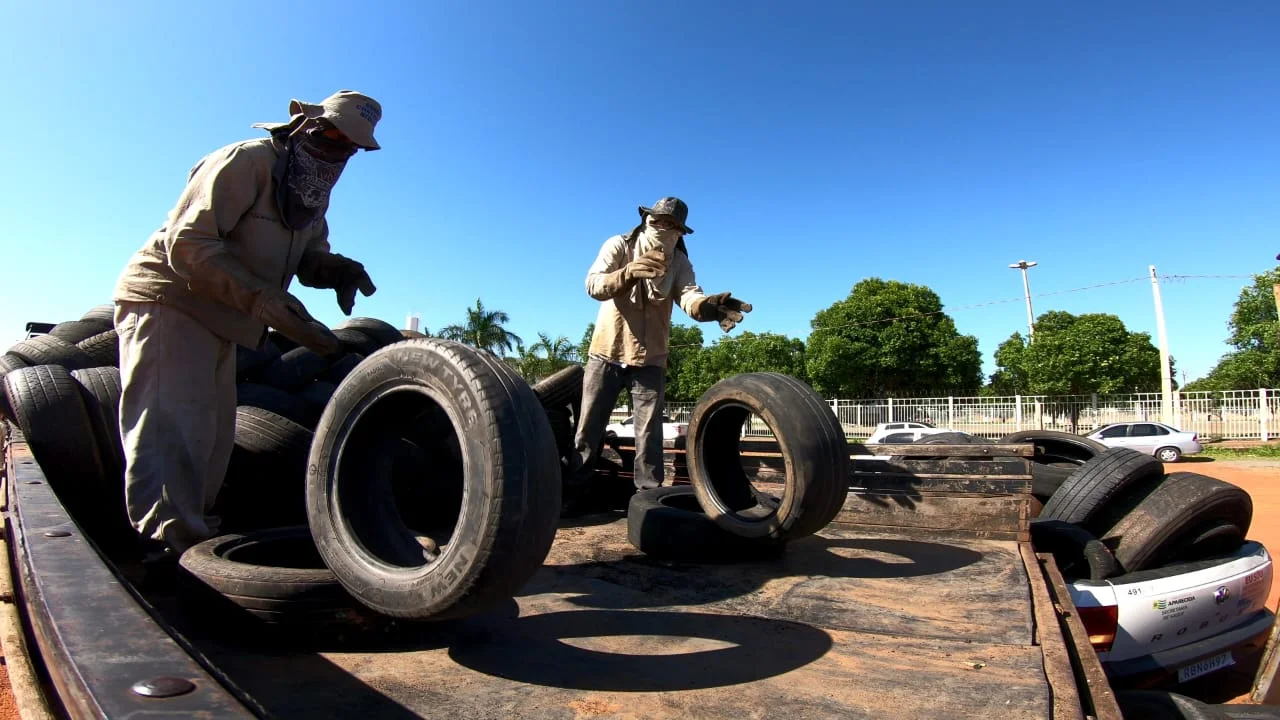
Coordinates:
[352,113]
[672,207]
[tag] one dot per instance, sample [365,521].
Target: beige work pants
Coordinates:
[177,420]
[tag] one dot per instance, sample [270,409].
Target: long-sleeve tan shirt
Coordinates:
[227,206]
[635,332]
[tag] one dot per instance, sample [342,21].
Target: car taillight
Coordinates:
[1100,623]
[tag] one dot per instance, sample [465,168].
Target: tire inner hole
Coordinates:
[745,492]
[400,480]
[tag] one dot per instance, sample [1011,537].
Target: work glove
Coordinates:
[224,279]
[648,265]
[337,272]
[723,307]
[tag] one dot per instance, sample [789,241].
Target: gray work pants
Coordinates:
[600,388]
[177,420]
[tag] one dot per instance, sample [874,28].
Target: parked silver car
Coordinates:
[1166,443]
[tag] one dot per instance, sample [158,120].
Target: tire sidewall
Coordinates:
[380,375]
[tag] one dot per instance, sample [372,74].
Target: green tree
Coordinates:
[484,330]
[1076,355]
[889,338]
[744,353]
[683,346]
[1254,333]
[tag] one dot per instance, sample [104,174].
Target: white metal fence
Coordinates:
[1229,415]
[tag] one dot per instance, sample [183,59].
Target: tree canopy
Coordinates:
[889,338]
[1254,333]
[1076,355]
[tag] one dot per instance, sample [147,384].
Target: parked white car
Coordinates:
[627,428]
[1171,624]
[900,433]
[1166,443]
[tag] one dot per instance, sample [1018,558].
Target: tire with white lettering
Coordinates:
[1181,512]
[811,441]
[1090,487]
[667,523]
[466,531]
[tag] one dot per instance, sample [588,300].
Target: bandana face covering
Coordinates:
[310,170]
[663,240]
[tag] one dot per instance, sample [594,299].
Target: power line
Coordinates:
[991,303]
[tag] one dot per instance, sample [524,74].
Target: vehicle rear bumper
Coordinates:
[1245,642]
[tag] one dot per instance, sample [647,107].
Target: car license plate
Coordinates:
[1206,666]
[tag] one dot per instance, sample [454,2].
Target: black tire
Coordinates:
[1177,513]
[953,438]
[667,523]
[380,330]
[49,350]
[265,484]
[275,575]
[48,408]
[1163,705]
[1055,446]
[490,538]
[8,363]
[1168,454]
[294,369]
[357,341]
[561,388]
[1046,479]
[105,313]
[1095,483]
[104,348]
[250,362]
[316,395]
[341,368]
[810,439]
[278,401]
[100,391]
[74,331]
[1078,552]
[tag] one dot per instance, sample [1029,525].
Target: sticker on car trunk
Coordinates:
[1206,666]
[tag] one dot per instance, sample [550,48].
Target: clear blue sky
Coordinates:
[817,143]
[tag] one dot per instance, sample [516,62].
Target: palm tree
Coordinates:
[483,330]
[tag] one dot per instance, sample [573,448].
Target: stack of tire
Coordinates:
[62,390]
[432,491]
[281,392]
[1111,511]
[721,516]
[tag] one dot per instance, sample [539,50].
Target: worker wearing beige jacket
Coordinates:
[214,275]
[639,278]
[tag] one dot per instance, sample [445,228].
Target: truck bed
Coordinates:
[854,622]
[847,624]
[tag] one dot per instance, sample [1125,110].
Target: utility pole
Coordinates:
[1026,289]
[1166,378]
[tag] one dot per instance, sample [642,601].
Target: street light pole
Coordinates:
[1026,288]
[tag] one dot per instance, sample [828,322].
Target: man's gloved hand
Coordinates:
[648,265]
[340,273]
[723,307]
[286,314]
